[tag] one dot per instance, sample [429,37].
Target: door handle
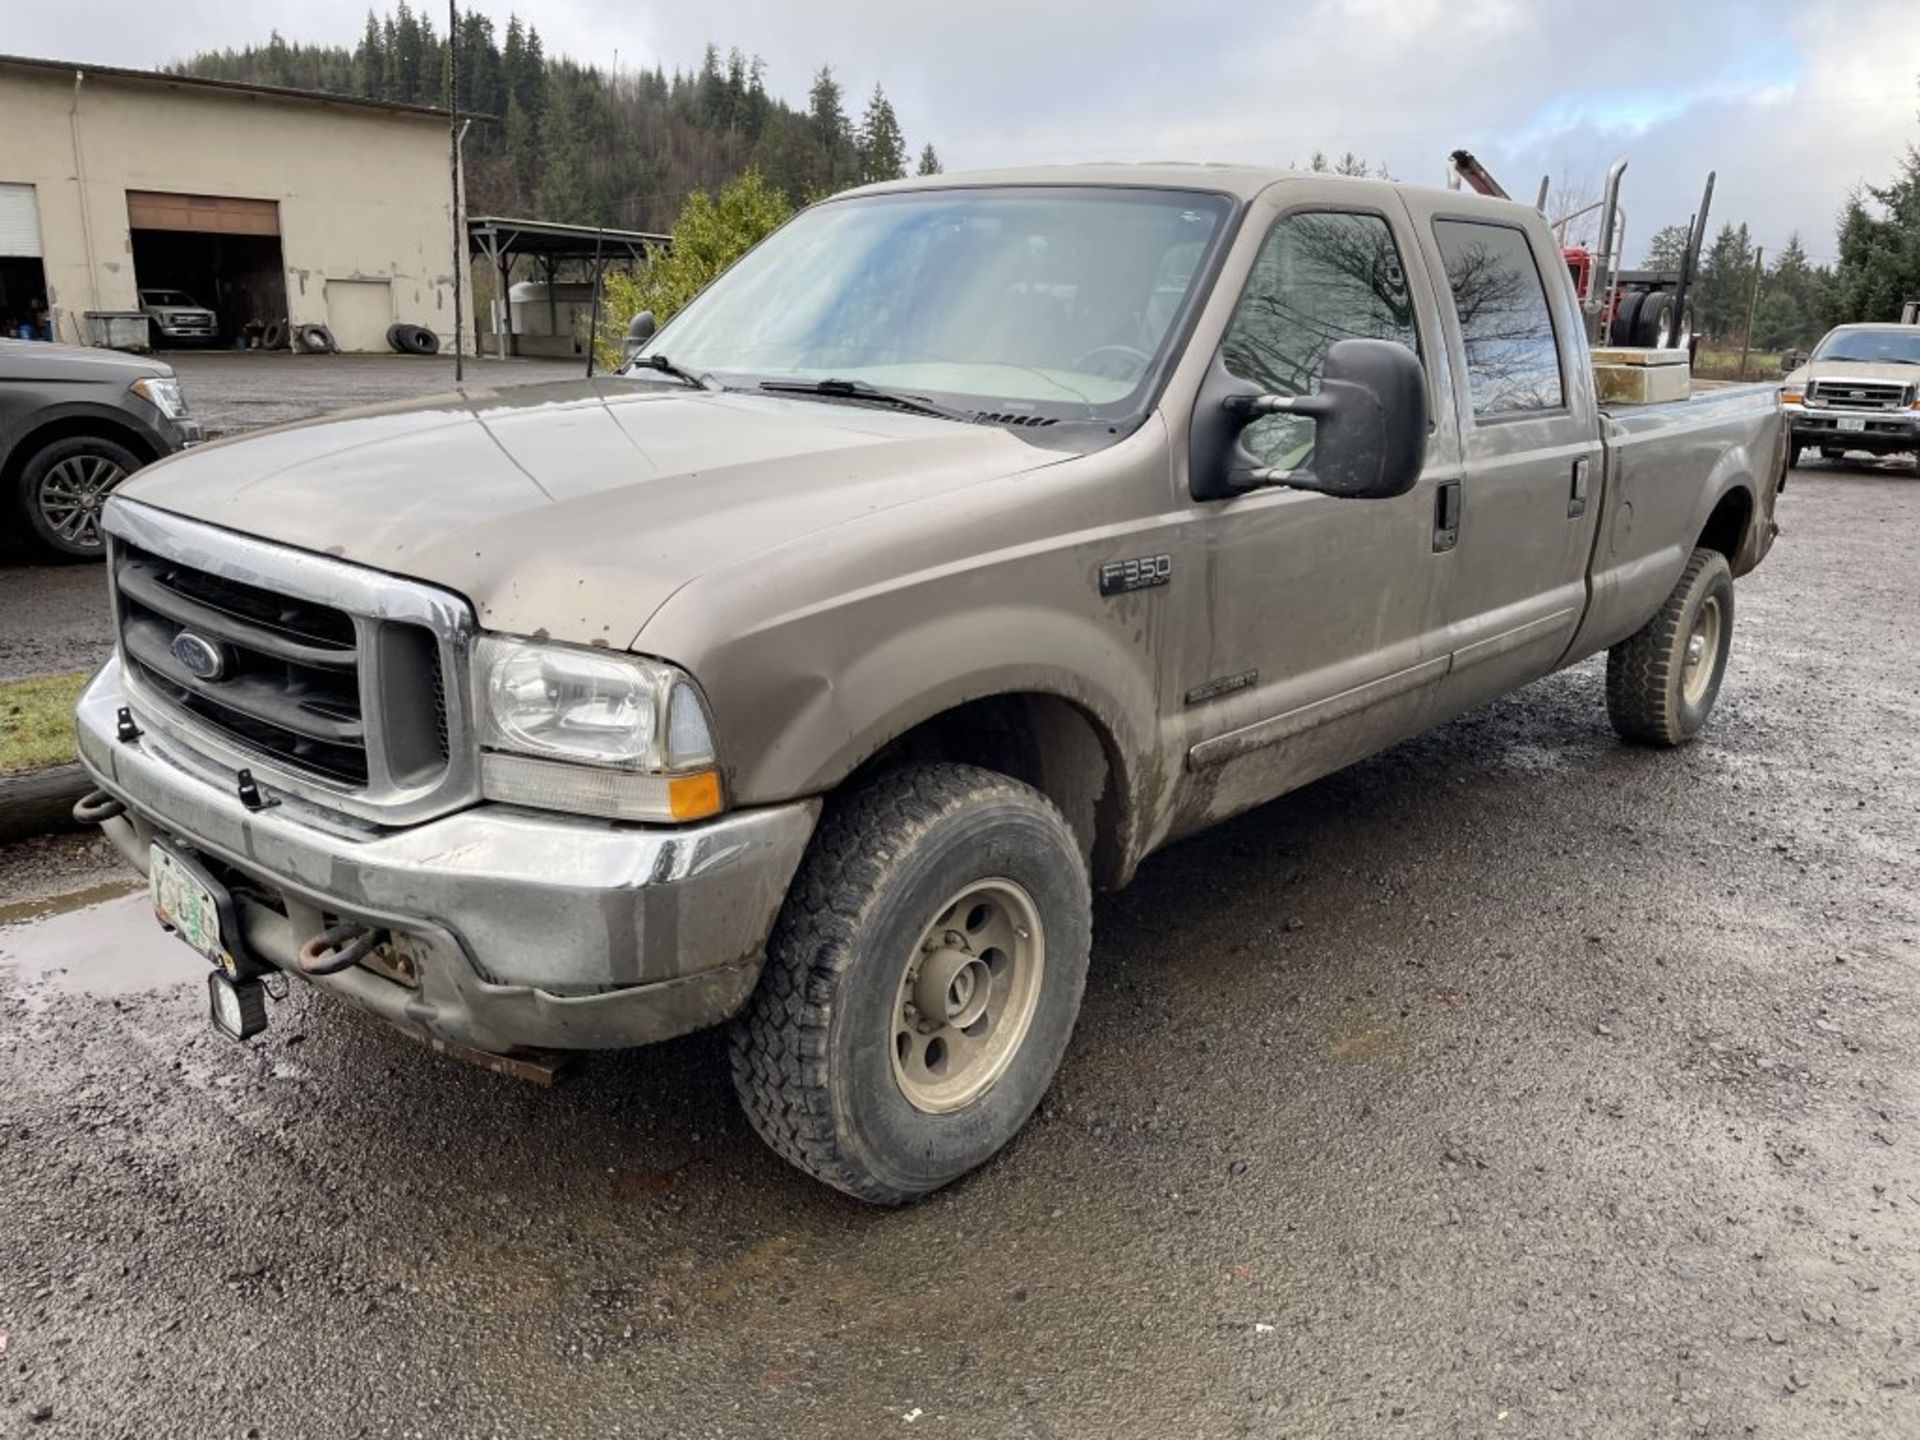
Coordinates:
[1446,516]
[1577,497]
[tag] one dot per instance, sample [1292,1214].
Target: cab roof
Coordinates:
[1243,182]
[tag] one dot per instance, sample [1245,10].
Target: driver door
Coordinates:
[1322,639]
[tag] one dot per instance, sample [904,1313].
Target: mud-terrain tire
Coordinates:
[929,871]
[1663,679]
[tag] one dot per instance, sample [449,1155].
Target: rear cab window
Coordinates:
[1506,325]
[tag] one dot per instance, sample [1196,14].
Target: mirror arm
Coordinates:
[1249,408]
[1269,477]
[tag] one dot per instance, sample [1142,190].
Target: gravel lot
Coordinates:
[53,618]
[1514,1083]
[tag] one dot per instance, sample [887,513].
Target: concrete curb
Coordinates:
[37,802]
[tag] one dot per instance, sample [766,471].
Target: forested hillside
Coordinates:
[573,142]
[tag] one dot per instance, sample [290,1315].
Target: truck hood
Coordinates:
[575,509]
[1856,370]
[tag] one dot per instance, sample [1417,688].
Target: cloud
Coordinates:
[1793,102]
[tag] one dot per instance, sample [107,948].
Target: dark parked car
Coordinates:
[74,423]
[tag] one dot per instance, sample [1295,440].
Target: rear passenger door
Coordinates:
[1517,573]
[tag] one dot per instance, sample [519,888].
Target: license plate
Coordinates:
[1852,424]
[185,903]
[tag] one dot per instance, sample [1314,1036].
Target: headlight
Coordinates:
[163,393]
[592,732]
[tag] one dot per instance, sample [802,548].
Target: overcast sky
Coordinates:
[1792,101]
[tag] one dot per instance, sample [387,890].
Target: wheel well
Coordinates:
[1726,528]
[1041,740]
[36,440]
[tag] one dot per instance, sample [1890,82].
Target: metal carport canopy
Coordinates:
[504,238]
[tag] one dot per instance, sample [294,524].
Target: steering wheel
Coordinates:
[1114,362]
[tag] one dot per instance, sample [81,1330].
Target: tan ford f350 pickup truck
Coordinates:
[967,542]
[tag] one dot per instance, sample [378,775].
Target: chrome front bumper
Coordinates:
[522,928]
[1881,429]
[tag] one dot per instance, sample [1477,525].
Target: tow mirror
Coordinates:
[1370,427]
[639,330]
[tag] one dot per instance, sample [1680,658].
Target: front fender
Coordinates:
[17,433]
[831,722]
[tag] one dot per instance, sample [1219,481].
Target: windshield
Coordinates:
[1880,347]
[164,297]
[1045,301]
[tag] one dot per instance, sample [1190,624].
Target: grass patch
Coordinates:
[1725,364]
[36,721]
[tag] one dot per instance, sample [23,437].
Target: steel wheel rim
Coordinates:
[1703,649]
[72,493]
[968,996]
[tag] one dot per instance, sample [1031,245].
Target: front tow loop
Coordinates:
[339,947]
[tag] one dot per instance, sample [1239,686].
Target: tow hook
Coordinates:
[96,807]
[339,947]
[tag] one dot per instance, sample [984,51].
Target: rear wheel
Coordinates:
[1663,679]
[1624,316]
[921,984]
[61,488]
[1652,319]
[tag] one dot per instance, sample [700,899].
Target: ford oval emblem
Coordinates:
[201,659]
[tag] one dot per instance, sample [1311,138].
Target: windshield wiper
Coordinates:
[667,367]
[859,390]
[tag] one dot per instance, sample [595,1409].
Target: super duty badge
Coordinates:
[1117,577]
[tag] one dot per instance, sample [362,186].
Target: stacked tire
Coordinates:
[413,340]
[1643,319]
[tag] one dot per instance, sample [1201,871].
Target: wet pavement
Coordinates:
[1514,1083]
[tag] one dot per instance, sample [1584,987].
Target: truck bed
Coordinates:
[1661,459]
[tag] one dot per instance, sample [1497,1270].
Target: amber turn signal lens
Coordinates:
[1792,397]
[694,797]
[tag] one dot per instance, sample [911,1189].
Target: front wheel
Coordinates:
[1663,679]
[62,488]
[921,984]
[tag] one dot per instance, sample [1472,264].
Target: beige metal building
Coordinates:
[261,204]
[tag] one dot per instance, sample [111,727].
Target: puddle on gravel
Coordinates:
[98,941]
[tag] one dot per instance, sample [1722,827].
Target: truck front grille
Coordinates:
[289,676]
[331,679]
[1860,394]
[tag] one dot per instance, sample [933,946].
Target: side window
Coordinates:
[1323,276]
[1513,364]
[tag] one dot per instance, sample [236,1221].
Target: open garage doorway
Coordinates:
[223,252]
[23,280]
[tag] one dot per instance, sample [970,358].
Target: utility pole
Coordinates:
[1753,301]
[453,186]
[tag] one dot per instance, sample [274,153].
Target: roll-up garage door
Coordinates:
[206,214]
[19,221]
